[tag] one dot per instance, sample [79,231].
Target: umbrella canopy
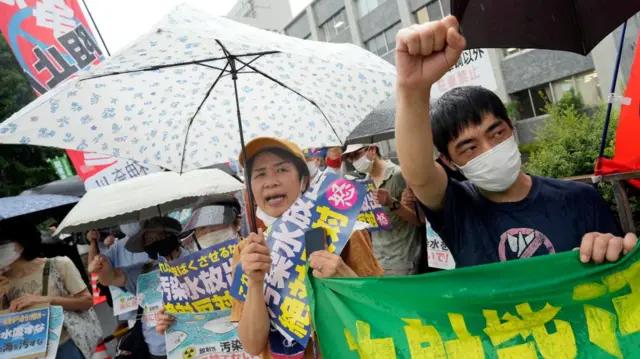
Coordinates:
[72,186]
[35,208]
[569,25]
[188,93]
[379,125]
[144,197]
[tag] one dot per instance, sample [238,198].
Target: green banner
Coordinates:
[550,307]
[61,165]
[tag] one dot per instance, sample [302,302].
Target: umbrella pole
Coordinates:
[605,129]
[247,176]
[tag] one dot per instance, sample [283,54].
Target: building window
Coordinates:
[366,6]
[335,25]
[531,102]
[384,42]
[588,86]
[430,12]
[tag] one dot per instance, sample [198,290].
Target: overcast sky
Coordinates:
[123,21]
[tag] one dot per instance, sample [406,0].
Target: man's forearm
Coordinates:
[414,140]
[114,277]
[408,215]
[93,251]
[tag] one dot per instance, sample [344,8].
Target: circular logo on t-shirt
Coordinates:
[523,243]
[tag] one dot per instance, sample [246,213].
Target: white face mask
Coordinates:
[495,170]
[216,237]
[363,164]
[313,168]
[8,255]
[265,218]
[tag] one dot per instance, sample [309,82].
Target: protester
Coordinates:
[157,237]
[279,175]
[333,160]
[500,213]
[33,280]
[313,163]
[211,225]
[397,250]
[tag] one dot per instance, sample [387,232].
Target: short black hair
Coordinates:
[460,108]
[300,165]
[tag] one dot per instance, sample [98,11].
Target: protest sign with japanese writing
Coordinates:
[332,203]
[472,69]
[56,319]
[203,336]
[372,212]
[200,281]
[123,302]
[551,307]
[24,334]
[439,255]
[98,170]
[149,296]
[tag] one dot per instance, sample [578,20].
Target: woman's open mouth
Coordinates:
[275,200]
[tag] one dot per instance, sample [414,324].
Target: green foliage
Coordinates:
[513,110]
[21,167]
[568,143]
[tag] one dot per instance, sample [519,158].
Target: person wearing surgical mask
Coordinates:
[278,176]
[501,213]
[210,225]
[398,250]
[22,276]
[313,164]
[157,237]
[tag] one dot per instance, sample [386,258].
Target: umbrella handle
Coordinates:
[614,81]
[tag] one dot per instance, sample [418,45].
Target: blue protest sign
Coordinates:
[200,281]
[372,212]
[204,336]
[332,203]
[56,319]
[149,297]
[24,334]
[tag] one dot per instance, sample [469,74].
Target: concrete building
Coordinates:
[266,14]
[523,77]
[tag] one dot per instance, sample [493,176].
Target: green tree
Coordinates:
[569,141]
[21,167]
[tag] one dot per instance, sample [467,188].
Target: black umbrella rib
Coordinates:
[296,92]
[154,68]
[239,71]
[184,149]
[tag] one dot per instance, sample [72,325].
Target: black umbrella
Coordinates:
[72,186]
[568,25]
[379,125]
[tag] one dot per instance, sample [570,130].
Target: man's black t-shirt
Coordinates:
[553,218]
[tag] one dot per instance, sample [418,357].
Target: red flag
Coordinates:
[627,155]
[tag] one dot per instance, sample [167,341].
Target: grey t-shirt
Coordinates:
[399,248]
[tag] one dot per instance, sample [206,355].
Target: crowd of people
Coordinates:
[482,219]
